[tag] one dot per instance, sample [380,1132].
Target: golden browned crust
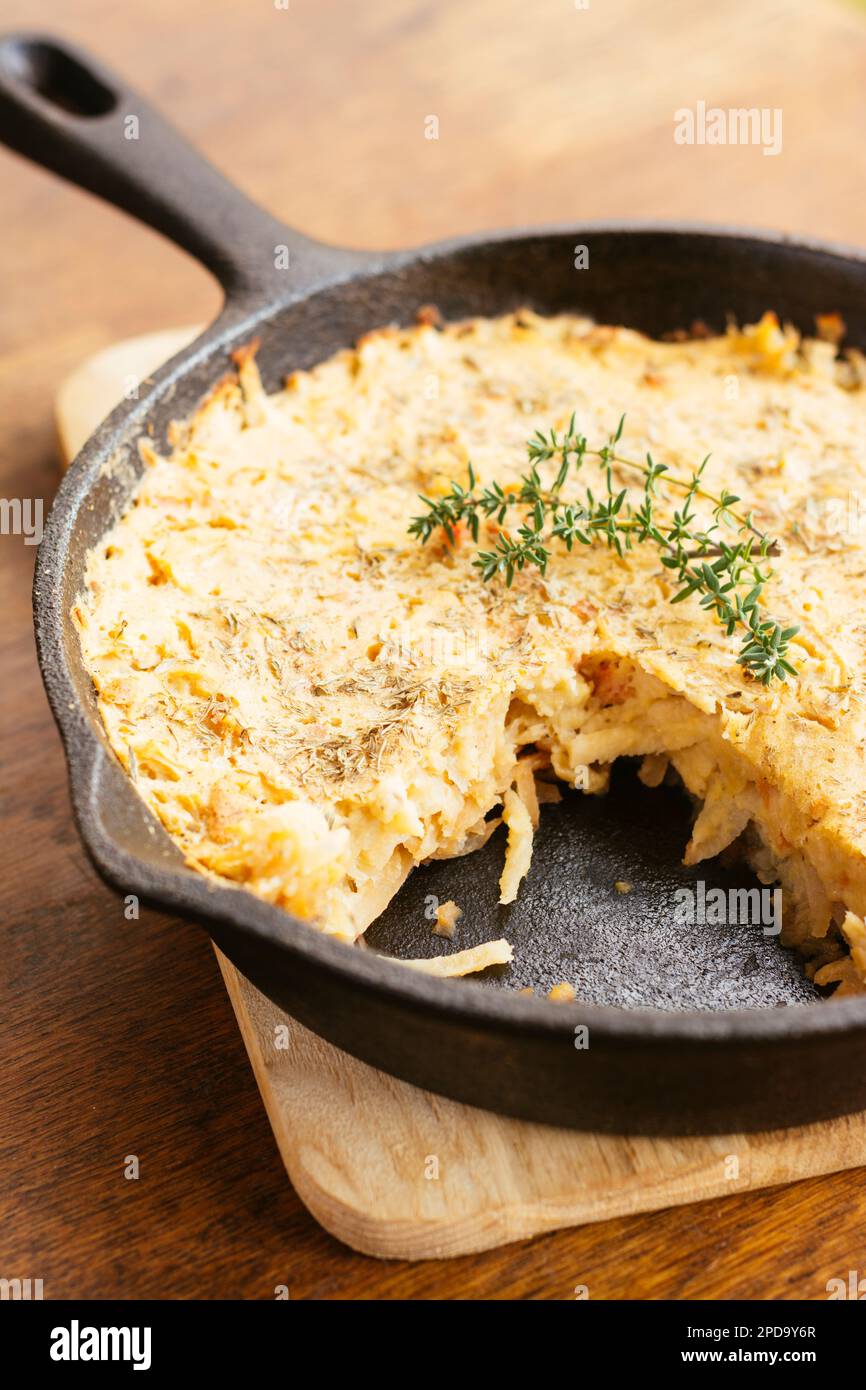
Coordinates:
[313,703]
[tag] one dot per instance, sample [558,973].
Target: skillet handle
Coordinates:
[62,109]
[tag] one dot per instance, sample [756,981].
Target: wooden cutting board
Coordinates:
[399,1173]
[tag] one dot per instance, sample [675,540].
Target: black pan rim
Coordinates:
[194,896]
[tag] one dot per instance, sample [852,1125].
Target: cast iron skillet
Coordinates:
[765,1052]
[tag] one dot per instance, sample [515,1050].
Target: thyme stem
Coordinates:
[728,577]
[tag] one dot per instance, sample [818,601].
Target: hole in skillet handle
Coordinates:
[58,78]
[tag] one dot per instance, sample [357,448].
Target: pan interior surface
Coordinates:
[617,945]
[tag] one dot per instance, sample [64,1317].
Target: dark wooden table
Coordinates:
[117,1036]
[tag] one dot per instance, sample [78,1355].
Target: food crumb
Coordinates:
[447,916]
[622,886]
[428,315]
[562,993]
[527,989]
[830,328]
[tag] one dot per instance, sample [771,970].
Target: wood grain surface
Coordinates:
[397,1172]
[118,1038]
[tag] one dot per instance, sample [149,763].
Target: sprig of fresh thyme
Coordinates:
[728,576]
